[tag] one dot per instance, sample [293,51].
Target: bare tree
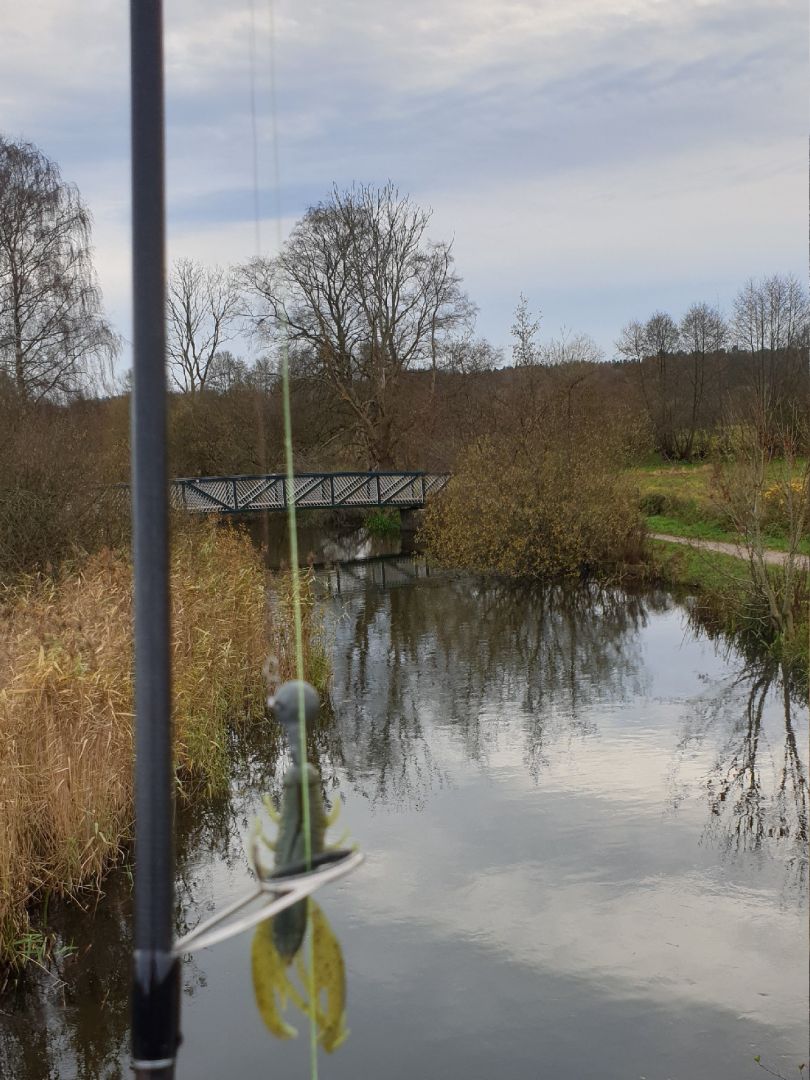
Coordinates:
[54,340]
[703,332]
[363,297]
[263,376]
[471,356]
[661,335]
[631,343]
[203,306]
[524,333]
[571,348]
[770,322]
[651,345]
[752,488]
[226,372]
[573,355]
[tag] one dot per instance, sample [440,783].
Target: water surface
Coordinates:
[585,831]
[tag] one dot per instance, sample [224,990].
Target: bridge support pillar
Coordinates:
[409,521]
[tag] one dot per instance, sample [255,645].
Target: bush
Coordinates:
[557,504]
[55,472]
[654,504]
[781,499]
[383,523]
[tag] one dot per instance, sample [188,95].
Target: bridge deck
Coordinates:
[247,494]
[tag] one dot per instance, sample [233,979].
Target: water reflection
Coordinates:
[475,658]
[74,1021]
[757,787]
[576,816]
[491,665]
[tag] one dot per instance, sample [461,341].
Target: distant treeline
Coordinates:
[387,371]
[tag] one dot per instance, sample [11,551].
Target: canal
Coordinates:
[585,828]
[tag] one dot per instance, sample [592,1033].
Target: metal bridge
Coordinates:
[248,494]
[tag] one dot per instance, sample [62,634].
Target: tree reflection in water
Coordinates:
[454,668]
[474,658]
[482,659]
[75,1020]
[757,786]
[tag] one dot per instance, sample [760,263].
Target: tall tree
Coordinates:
[203,305]
[703,332]
[363,296]
[226,372]
[770,321]
[54,340]
[631,344]
[524,332]
[651,345]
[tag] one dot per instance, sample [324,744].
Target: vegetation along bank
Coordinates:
[66,707]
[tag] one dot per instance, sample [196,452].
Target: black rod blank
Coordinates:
[156,973]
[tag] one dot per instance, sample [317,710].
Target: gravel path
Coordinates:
[775,557]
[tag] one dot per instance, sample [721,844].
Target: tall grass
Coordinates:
[66,704]
[65,737]
[317,664]
[220,636]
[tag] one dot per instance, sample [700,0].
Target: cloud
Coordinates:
[600,156]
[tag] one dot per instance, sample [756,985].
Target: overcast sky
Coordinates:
[606,158]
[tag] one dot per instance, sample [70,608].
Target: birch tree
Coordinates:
[54,339]
[203,306]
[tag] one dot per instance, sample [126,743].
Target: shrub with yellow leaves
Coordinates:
[553,502]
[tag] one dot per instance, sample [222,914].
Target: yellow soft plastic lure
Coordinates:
[273,986]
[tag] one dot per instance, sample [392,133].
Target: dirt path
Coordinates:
[775,557]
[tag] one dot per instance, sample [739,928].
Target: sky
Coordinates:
[605,158]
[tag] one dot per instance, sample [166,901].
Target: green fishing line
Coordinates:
[292,525]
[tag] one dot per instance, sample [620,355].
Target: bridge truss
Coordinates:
[248,494]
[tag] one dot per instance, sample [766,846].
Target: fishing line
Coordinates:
[292,525]
[254,142]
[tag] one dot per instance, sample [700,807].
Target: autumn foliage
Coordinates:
[540,505]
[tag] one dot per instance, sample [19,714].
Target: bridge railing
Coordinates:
[246,494]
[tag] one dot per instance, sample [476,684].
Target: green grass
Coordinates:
[383,522]
[676,498]
[693,568]
[699,530]
[712,530]
[690,481]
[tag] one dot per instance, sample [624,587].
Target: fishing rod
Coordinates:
[156,970]
[157,957]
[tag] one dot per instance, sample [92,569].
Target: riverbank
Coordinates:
[680,499]
[66,708]
[726,604]
[556,509]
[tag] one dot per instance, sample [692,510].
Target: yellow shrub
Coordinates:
[535,510]
[783,500]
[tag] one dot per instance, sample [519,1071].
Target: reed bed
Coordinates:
[66,706]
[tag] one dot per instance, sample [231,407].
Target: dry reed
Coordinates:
[66,705]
